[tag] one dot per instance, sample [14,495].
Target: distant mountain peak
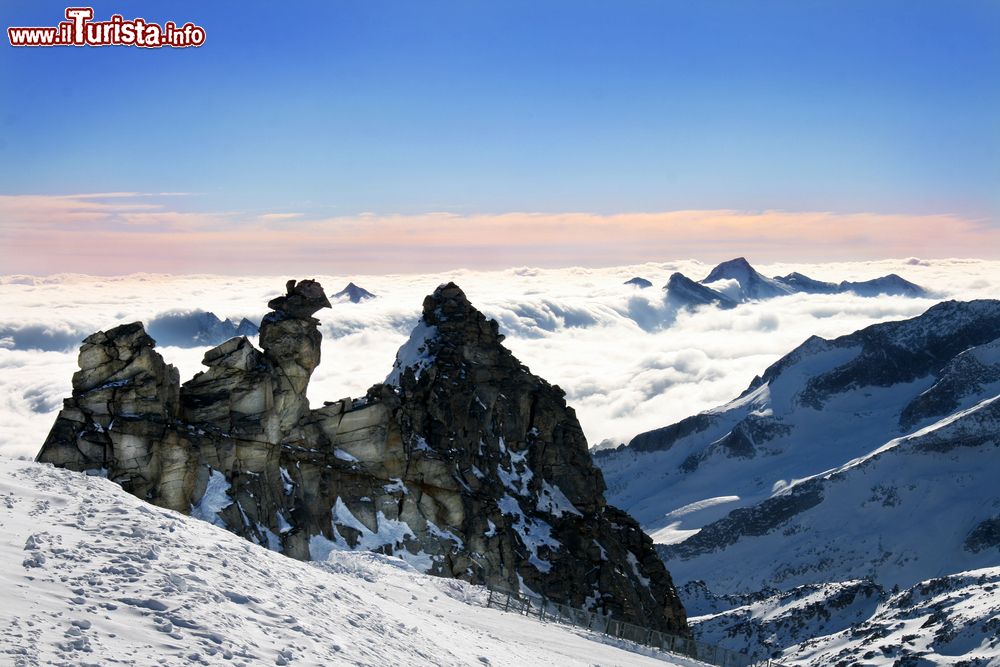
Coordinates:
[354,293]
[753,285]
[800,282]
[735,263]
[892,285]
[686,293]
[639,282]
[734,269]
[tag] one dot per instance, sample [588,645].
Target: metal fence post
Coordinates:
[714,654]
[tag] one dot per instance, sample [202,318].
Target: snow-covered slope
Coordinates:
[949,620]
[91,575]
[907,512]
[873,457]
[825,403]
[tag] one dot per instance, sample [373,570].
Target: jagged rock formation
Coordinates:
[464,464]
[354,293]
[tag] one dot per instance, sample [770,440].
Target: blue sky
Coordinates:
[403,108]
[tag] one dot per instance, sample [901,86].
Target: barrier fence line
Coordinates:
[547,610]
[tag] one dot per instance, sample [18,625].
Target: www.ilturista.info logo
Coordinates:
[80,30]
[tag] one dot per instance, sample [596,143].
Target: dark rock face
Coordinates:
[898,352]
[664,437]
[466,465]
[124,397]
[639,282]
[969,373]
[754,521]
[986,535]
[507,435]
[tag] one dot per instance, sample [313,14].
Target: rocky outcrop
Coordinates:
[463,463]
[124,409]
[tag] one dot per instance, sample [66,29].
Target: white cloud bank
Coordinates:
[583,329]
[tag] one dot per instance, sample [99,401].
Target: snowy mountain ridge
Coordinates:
[872,457]
[735,281]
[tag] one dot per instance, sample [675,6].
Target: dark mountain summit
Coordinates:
[353,293]
[753,285]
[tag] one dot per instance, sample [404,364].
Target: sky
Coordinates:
[402,137]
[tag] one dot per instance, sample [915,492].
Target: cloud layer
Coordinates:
[124,232]
[627,362]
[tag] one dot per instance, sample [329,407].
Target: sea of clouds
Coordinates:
[626,361]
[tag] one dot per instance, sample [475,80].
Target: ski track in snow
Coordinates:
[93,576]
